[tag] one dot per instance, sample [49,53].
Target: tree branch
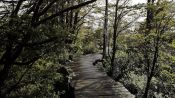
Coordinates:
[65,10]
[42,42]
[46,8]
[15,12]
[27,62]
[35,15]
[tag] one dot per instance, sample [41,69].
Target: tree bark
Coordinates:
[105,32]
[151,68]
[114,48]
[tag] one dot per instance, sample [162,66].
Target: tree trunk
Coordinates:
[151,70]
[147,87]
[114,48]
[105,32]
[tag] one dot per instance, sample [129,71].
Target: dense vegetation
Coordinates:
[39,38]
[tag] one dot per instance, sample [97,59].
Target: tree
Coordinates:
[24,39]
[158,24]
[149,27]
[105,31]
[119,26]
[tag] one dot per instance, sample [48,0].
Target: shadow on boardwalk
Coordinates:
[89,82]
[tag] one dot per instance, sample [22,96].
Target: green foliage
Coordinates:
[54,43]
[35,80]
[88,41]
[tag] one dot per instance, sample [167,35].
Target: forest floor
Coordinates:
[90,82]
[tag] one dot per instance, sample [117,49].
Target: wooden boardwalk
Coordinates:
[89,82]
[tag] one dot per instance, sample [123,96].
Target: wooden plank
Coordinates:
[89,82]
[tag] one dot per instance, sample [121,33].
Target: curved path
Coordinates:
[89,82]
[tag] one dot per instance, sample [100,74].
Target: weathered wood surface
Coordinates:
[89,82]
